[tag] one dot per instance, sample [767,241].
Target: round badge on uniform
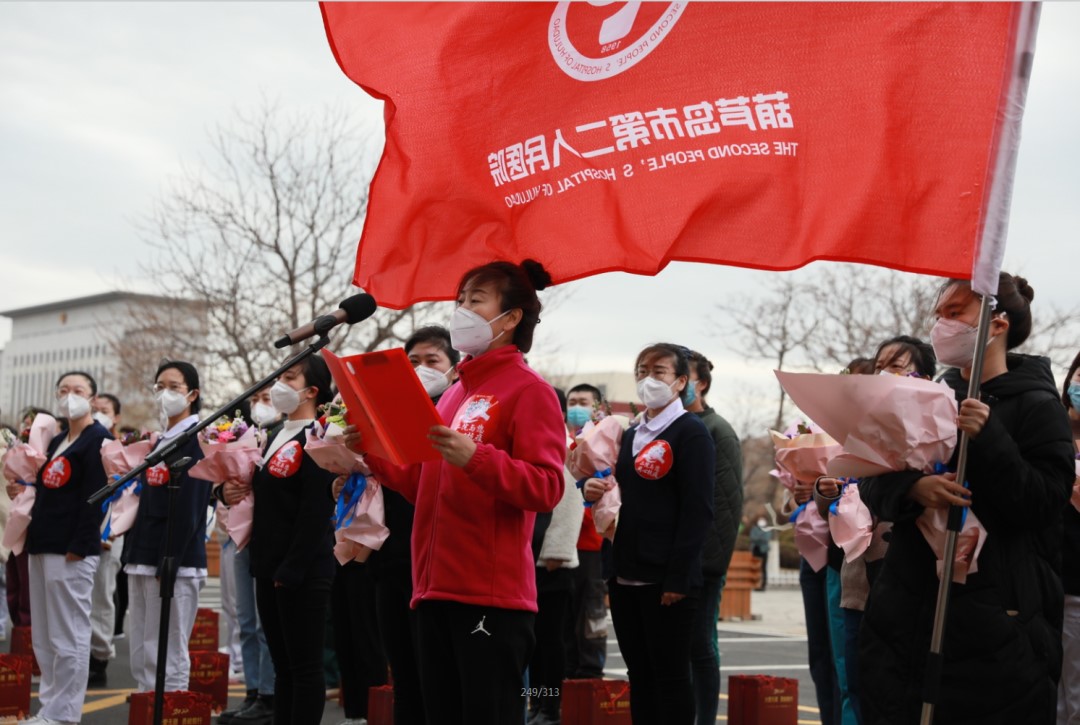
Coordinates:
[286,461]
[157,475]
[654,461]
[57,473]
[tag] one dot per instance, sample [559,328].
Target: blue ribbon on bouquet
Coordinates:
[844,483]
[798,510]
[114,498]
[581,484]
[350,495]
[940,468]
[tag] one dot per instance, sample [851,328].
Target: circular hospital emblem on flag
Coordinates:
[602,38]
[654,461]
[286,461]
[157,475]
[57,473]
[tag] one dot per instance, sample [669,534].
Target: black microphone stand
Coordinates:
[171,454]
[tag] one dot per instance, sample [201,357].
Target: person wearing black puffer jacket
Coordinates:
[1002,647]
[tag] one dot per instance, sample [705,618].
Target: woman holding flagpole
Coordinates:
[502,454]
[1002,648]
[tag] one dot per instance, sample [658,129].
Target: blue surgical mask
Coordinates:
[1074,396]
[578,415]
[690,394]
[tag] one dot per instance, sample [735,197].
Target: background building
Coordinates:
[103,334]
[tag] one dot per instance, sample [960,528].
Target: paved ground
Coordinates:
[774,642]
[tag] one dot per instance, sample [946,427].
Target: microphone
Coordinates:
[352,310]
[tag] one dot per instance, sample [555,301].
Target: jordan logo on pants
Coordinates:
[480,627]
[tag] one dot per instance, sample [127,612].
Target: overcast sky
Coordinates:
[101,102]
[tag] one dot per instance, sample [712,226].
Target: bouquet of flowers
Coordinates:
[360,526]
[231,449]
[21,464]
[850,522]
[326,445]
[119,457]
[1076,486]
[594,455]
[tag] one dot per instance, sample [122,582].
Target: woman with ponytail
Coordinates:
[1002,648]
[502,451]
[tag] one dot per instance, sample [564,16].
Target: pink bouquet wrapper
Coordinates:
[884,422]
[23,460]
[812,537]
[932,524]
[239,521]
[805,457]
[1076,488]
[331,454]
[852,526]
[606,512]
[597,447]
[118,459]
[234,460]
[19,520]
[367,531]
[124,510]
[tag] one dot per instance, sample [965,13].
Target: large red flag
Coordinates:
[621,136]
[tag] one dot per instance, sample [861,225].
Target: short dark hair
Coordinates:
[703,368]
[680,354]
[1014,298]
[190,375]
[88,376]
[113,401]
[517,285]
[586,388]
[1065,389]
[437,335]
[317,374]
[562,400]
[860,366]
[921,354]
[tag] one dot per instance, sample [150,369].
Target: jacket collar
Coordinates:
[476,370]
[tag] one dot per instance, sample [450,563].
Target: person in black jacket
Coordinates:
[665,473]
[64,546]
[292,542]
[1002,647]
[1069,692]
[177,394]
[719,539]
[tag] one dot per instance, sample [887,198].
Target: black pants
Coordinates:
[548,665]
[294,622]
[655,643]
[586,655]
[472,662]
[397,625]
[356,637]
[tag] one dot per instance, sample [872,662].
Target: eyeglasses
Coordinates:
[175,387]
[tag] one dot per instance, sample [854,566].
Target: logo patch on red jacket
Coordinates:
[286,461]
[477,416]
[57,473]
[654,461]
[157,475]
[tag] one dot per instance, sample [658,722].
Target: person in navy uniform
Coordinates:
[176,392]
[64,545]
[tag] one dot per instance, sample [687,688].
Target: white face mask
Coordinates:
[655,393]
[470,333]
[284,398]
[72,406]
[434,382]
[104,420]
[263,414]
[171,403]
[954,342]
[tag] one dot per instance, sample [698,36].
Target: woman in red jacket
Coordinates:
[474,581]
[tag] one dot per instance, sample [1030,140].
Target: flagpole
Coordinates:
[935,659]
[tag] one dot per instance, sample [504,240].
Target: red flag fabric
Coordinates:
[622,136]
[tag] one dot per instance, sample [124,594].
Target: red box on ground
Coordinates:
[22,643]
[210,676]
[380,709]
[595,702]
[180,708]
[15,673]
[762,700]
[204,635]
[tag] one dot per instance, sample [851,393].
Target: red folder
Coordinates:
[386,402]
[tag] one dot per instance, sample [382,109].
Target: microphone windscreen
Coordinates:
[358,307]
